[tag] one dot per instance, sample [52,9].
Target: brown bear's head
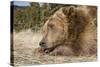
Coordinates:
[59,29]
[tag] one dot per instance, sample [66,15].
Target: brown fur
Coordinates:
[71,31]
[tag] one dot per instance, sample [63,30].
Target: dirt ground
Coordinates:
[24,44]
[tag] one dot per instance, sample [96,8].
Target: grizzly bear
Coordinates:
[71,31]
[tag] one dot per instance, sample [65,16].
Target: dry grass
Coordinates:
[24,44]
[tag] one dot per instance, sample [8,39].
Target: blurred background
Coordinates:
[31,15]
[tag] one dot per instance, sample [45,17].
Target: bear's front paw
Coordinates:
[39,51]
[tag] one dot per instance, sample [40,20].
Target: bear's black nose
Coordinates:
[42,44]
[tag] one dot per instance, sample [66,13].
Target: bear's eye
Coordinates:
[50,25]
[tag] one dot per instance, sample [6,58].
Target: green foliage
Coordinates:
[33,16]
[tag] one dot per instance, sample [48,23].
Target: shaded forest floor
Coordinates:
[24,44]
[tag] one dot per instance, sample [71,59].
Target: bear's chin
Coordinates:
[51,49]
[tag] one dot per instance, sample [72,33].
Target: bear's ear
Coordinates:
[69,11]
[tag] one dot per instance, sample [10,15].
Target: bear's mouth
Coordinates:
[48,50]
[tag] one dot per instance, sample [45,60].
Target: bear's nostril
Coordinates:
[42,44]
